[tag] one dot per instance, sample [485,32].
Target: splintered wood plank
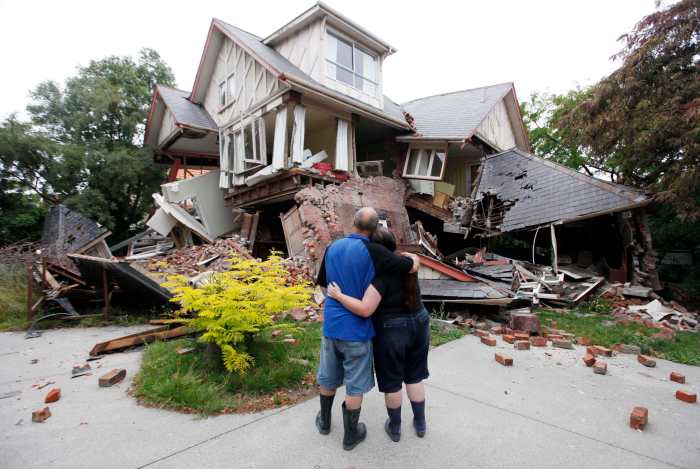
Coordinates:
[120,343]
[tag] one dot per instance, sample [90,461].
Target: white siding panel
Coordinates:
[167,127]
[305,49]
[497,129]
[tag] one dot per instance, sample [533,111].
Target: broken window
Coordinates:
[425,163]
[248,148]
[349,63]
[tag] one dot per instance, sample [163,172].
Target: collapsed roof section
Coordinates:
[518,190]
[66,231]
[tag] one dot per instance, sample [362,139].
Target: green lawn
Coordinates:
[602,330]
[283,374]
[13,297]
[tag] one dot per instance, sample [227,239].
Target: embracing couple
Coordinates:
[373,318]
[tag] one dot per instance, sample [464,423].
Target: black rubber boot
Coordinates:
[392,426]
[354,432]
[323,418]
[419,418]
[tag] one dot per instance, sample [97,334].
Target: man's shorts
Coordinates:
[401,349]
[346,361]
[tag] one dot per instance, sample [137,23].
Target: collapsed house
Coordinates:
[282,138]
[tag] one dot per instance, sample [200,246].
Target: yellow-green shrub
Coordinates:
[234,306]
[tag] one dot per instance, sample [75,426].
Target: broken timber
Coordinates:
[121,343]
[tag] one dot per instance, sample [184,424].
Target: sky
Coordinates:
[443,46]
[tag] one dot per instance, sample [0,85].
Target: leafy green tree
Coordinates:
[644,119]
[84,144]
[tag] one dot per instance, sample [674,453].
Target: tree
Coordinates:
[84,144]
[644,119]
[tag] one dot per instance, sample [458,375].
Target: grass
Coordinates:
[602,329]
[13,297]
[441,334]
[283,374]
[187,382]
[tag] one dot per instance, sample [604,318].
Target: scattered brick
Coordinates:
[111,378]
[184,350]
[600,350]
[498,330]
[585,341]
[276,333]
[567,335]
[646,360]
[626,348]
[508,330]
[525,322]
[53,396]
[521,336]
[589,359]
[522,345]
[677,377]
[538,341]
[639,418]
[490,341]
[482,333]
[689,397]
[665,334]
[554,337]
[600,367]
[291,340]
[508,338]
[504,359]
[41,415]
[562,343]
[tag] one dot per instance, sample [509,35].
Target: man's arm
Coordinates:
[387,262]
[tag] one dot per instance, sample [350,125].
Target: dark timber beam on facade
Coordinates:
[277,189]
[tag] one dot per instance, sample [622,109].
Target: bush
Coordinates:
[236,305]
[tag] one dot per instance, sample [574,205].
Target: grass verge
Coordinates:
[13,297]
[603,330]
[441,334]
[283,374]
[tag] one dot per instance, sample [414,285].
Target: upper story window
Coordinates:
[425,163]
[226,90]
[349,63]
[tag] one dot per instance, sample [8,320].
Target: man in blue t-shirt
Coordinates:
[346,347]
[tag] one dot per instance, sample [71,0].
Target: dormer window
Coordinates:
[350,63]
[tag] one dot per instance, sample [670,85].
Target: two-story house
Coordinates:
[269,117]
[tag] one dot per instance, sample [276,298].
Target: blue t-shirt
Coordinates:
[347,262]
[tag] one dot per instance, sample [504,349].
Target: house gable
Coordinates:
[228,62]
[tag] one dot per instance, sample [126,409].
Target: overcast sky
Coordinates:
[442,46]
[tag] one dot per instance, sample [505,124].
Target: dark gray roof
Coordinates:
[67,231]
[454,115]
[185,111]
[282,65]
[531,191]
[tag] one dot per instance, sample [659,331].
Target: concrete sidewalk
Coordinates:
[548,410]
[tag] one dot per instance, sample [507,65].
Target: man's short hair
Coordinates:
[366,219]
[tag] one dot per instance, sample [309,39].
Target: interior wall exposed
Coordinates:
[321,129]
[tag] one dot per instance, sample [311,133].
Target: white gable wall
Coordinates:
[496,128]
[304,49]
[167,127]
[253,84]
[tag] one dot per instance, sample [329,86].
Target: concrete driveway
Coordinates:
[548,410]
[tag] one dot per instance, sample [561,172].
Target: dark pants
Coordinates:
[401,349]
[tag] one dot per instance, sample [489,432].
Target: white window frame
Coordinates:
[222,94]
[431,152]
[241,163]
[355,45]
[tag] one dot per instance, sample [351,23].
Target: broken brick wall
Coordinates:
[327,212]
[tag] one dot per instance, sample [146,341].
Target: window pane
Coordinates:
[412,160]
[365,65]
[438,162]
[343,53]
[248,142]
[364,85]
[343,75]
[423,161]
[230,87]
[222,94]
